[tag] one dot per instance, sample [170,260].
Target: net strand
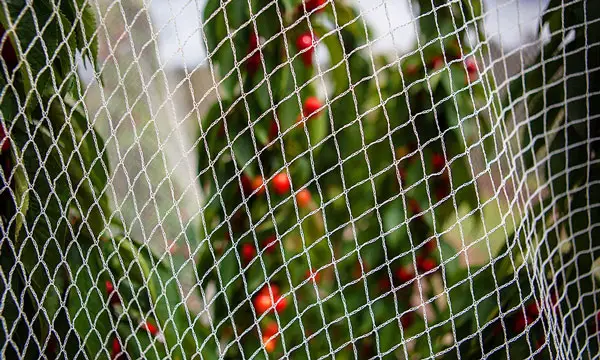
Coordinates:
[131,80]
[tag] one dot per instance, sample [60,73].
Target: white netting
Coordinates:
[299,179]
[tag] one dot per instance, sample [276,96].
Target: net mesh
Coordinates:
[299,179]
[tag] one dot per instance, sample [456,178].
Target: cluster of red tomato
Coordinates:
[518,322]
[437,62]
[405,275]
[269,297]
[305,42]
[441,182]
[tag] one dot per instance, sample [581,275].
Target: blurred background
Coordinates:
[158,81]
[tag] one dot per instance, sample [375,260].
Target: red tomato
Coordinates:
[150,327]
[430,246]
[113,297]
[407,319]
[280,304]
[273,130]
[414,206]
[304,44]
[303,198]
[254,61]
[533,310]
[246,184]
[311,107]
[281,183]
[8,52]
[425,264]
[116,349]
[258,185]
[269,343]
[262,302]
[438,161]
[248,252]
[311,5]
[269,244]
[109,287]
[437,62]
[270,330]
[405,275]
[311,274]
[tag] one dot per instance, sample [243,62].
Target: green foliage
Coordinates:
[560,90]
[328,189]
[383,161]
[62,247]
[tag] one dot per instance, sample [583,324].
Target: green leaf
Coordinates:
[134,266]
[140,345]
[212,27]
[318,128]
[204,261]
[544,114]
[473,8]
[90,146]
[9,106]
[88,310]
[21,191]
[16,307]
[88,20]
[392,217]
[448,251]
[261,94]
[536,74]
[552,4]
[229,78]
[170,311]
[49,197]
[228,50]
[434,80]
[353,30]
[243,150]
[291,5]
[77,152]
[215,31]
